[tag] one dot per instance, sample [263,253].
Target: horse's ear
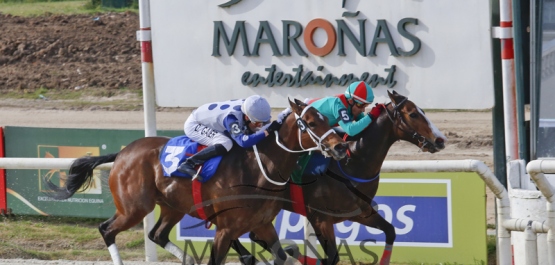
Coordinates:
[300,103]
[294,106]
[395,97]
[390,95]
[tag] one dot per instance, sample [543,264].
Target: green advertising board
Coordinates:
[26,192]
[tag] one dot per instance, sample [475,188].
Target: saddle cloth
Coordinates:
[317,165]
[177,150]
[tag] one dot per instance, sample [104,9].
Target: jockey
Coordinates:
[216,124]
[347,109]
[344,110]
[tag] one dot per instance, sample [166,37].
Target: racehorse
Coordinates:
[240,197]
[345,191]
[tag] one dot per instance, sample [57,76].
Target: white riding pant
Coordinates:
[205,135]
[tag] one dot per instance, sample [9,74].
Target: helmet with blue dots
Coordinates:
[257,109]
[360,92]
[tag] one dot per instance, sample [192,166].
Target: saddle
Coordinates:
[177,150]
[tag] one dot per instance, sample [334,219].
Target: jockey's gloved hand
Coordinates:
[283,115]
[376,110]
[274,127]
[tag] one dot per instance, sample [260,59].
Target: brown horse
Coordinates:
[346,190]
[240,197]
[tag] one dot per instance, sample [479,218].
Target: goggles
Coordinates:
[361,105]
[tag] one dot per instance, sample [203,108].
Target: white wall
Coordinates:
[452,70]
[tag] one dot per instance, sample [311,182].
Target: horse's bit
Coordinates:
[421,139]
[302,127]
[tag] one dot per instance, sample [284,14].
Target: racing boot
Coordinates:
[188,167]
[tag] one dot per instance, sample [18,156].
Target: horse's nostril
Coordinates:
[341,147]
[440,143]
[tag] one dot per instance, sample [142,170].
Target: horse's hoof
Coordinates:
[188,260]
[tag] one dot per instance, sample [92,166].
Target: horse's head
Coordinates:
[313,131]
[411,124]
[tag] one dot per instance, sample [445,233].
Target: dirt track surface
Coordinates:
[69,52]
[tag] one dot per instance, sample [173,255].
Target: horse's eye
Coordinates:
[312,124]
[413,115]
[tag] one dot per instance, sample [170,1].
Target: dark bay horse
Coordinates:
[240,197]
[346,190]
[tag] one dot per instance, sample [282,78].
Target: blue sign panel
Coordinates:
[418,221]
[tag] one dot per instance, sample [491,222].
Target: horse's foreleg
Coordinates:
[161,231]
[377,221]
[267,237]
[245,256]
[326,235]
[222,243]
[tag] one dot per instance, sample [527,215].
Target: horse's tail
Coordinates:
[80,176]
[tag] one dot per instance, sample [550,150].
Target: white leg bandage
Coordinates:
[115,254]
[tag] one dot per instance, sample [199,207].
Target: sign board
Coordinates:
[438,52]
[26,191]
[438,218]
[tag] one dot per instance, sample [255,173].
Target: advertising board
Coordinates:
[434,222]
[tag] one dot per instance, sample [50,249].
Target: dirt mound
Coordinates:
[70,52]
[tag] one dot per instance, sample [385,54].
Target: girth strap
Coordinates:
[297,197]
[197,200]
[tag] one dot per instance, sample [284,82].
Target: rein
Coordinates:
[421,139]
[355,179]
[302,128]
[264,171]
[350,186]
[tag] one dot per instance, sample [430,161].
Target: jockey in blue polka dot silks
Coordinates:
[216,125]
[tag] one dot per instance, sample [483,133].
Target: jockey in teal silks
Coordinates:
[344,110]
[347,109]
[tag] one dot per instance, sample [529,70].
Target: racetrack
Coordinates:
[108,57]
[469,133]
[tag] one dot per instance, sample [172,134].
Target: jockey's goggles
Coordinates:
[362,105]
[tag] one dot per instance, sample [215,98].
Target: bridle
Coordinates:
[302,127]
[422,141]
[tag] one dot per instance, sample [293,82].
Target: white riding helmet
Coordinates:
[257,109]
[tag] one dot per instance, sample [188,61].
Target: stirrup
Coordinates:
[197,174]
[187,169]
